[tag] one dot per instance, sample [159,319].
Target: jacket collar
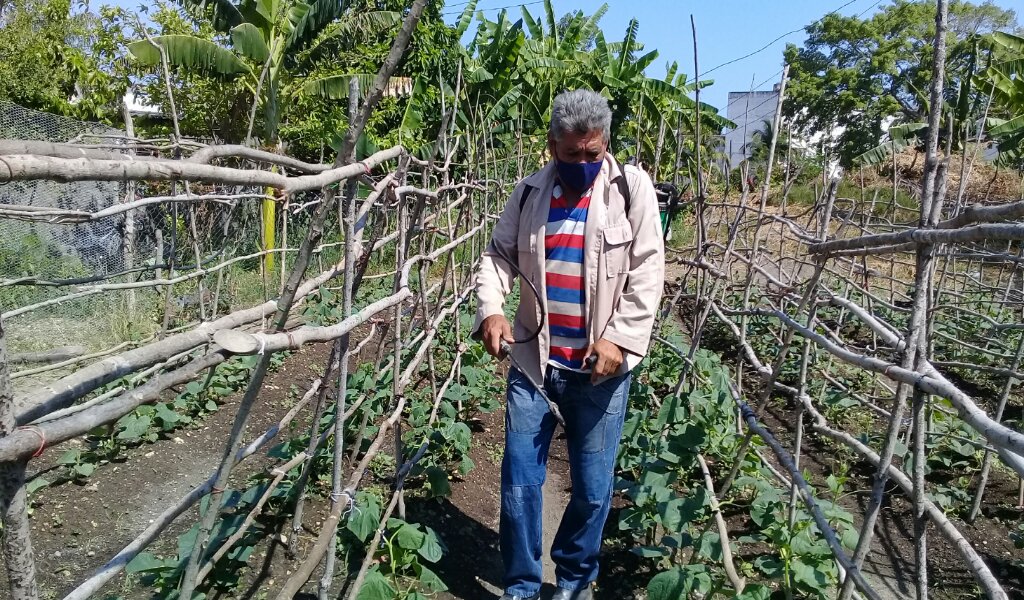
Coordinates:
[614,169]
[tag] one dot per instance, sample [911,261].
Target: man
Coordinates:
[586,234]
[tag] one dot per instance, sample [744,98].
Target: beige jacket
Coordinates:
[623,265]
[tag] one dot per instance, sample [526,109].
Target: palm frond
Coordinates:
[190,52]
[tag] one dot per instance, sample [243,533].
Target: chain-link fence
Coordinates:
[57,252]
[93,246]
[93,284]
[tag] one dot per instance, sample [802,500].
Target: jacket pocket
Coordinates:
[617,241]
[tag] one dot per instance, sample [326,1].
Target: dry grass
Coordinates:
[986,183]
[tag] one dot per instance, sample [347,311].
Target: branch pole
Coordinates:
[986,463]
[341,350]
[17,538]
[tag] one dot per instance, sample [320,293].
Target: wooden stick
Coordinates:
[17,537]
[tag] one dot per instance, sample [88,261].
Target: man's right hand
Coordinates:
[494,329]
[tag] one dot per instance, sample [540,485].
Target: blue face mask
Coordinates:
[578,176]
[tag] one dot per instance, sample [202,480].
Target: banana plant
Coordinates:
[264,39]
[900,137]
[1004,79]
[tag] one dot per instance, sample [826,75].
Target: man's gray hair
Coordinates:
[580,111]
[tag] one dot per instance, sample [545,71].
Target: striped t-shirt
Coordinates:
[563,254]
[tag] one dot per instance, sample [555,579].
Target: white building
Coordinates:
[749,111]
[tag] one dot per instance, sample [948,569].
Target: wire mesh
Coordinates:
[100,277]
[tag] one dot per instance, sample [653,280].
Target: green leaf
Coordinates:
[407,535]
[315,19]
[190,52]
[1008,41]
[437,480]
[710,547]
[628,44]
[366,26]
[85,469]
[70,457]
[412,118]
[144,561]
[241,553]
[431,550]
[466,465]
[335,87]
[770,566]
[850,537]
[677,512]
[479,75]
[807,543]
[225,14]
[670,585]
[134,427]
[814,576]
[376,586]
[364,517]
[650,551]
[755,591]
[501,108]
[188,539]
[532,25]
[430,579]
[1013,124]
[167,416]
[543,63]
[900,136]
[37,483]
[248,40]
[465,19]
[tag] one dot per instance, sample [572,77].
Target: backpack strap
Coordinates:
[624,191]
[528,191]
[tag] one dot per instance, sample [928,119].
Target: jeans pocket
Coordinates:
[600,414]
[611,394]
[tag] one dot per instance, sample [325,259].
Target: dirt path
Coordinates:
[77,527]
[468,521]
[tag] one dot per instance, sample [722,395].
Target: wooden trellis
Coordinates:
[759,259]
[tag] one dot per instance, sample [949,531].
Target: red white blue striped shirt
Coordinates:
[563,254]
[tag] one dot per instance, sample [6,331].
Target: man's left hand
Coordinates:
[608,359]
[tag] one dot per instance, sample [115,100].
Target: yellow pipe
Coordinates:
[267,213]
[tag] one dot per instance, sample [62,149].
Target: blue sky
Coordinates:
[726,30]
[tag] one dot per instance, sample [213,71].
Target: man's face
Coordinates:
[578,147]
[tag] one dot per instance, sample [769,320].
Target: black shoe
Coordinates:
[583,593]
[511,597]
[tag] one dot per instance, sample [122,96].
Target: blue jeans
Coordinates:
[593,425]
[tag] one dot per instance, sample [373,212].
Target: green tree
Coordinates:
[515,70]
[856,73]
[257,43]
[209,105]
[55,59]
[411,112]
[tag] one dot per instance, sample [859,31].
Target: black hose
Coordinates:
[591,360]
[533,288]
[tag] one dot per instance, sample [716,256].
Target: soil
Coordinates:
[890,566]
[468,520]
[77,527]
